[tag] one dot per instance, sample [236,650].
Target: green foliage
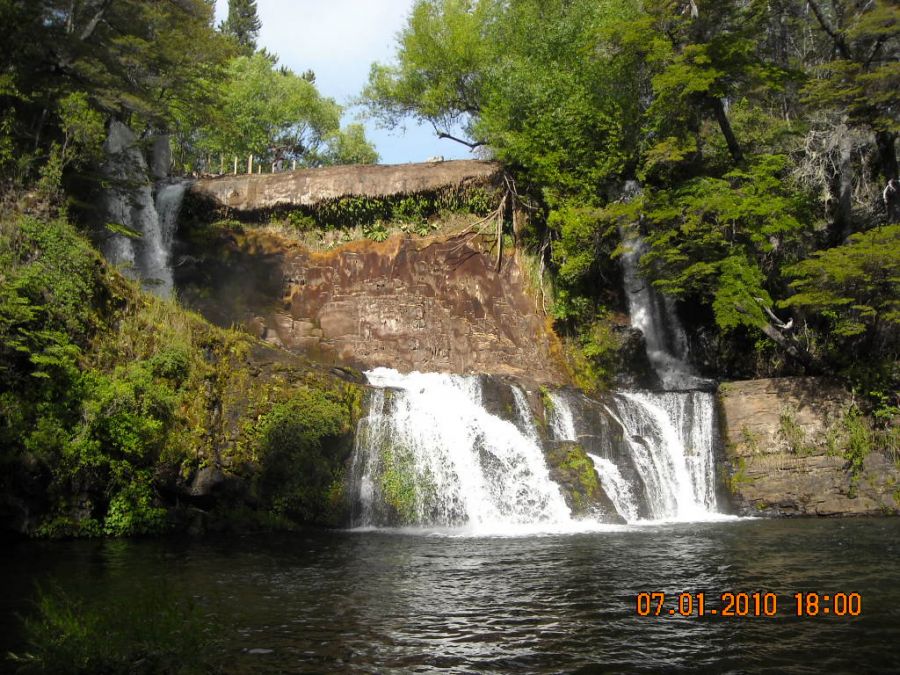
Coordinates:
[399,484]
[132,511]
[70,66]
[242,24]
[376,231]
[793,433]
[109,394]
[148,630]
[302,445]
[275,114]
[857,284]
[413,210]
[266,111]
[350,146]
[708,105]
[859,440]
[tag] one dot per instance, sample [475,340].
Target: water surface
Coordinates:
[412,602]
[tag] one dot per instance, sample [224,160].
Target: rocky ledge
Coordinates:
[306,187]
[794,447]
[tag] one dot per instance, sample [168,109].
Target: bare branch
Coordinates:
[476,144]
[92,24]
[835,36]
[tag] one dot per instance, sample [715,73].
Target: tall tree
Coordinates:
[242,24]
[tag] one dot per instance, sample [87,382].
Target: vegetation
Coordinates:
[149,630]
[111,397]
[163,69]
[753,144]
[242,24]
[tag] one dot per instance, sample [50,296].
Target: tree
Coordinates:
[154,64]
[350,146]
[274,114]
[857,285]
[242,24]
[442,60]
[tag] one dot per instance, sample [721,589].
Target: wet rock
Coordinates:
[582,489]
[784,445]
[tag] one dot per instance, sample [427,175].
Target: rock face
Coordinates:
[435,305]
[787,452]
[311,186]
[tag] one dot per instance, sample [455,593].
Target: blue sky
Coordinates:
[339,40]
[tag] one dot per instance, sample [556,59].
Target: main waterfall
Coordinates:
[429,453]
[488,455]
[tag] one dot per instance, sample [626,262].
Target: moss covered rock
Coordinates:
[573,470]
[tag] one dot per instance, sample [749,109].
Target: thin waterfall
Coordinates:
[672,434]
[622,493]
[561,418]
[129,202]
[428,453]
[654,315]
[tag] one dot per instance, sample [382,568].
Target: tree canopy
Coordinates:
[762,136]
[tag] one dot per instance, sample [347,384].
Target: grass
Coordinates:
[150,630]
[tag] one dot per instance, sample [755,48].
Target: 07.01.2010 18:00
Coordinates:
[747,604]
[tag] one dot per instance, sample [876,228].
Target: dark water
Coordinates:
[382,602]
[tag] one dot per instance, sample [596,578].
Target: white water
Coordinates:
[671,436]
[619,490]
[654,315]
[561,418]
[129,201]
[671,443]
[428,439]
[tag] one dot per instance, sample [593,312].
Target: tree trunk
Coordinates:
[737,154]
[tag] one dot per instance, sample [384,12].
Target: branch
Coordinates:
[471,145]
[836,37]
[781,340]
[778,322]
[92,24]
[874,53]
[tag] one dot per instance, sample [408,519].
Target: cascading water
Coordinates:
[429,453]
[671,434]
[129,202]
[620,490]
[654,315]
[665,467]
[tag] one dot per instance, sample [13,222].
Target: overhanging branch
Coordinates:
[470,144]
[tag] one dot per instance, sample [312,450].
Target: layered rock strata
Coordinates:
[788,452]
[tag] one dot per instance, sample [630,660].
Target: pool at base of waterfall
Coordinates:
[387,601]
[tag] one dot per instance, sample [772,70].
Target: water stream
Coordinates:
[130,202]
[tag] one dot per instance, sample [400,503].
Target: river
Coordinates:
[419,601]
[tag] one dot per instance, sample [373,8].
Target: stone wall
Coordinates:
[306,187]
[414,304]
[410,303]
[785,450]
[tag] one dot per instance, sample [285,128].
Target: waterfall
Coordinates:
[428,453]
[654,315]
[620,490]
[129,202]
[562,420]
[666,462]
[672,441]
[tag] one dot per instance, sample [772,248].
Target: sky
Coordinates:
[339,40]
